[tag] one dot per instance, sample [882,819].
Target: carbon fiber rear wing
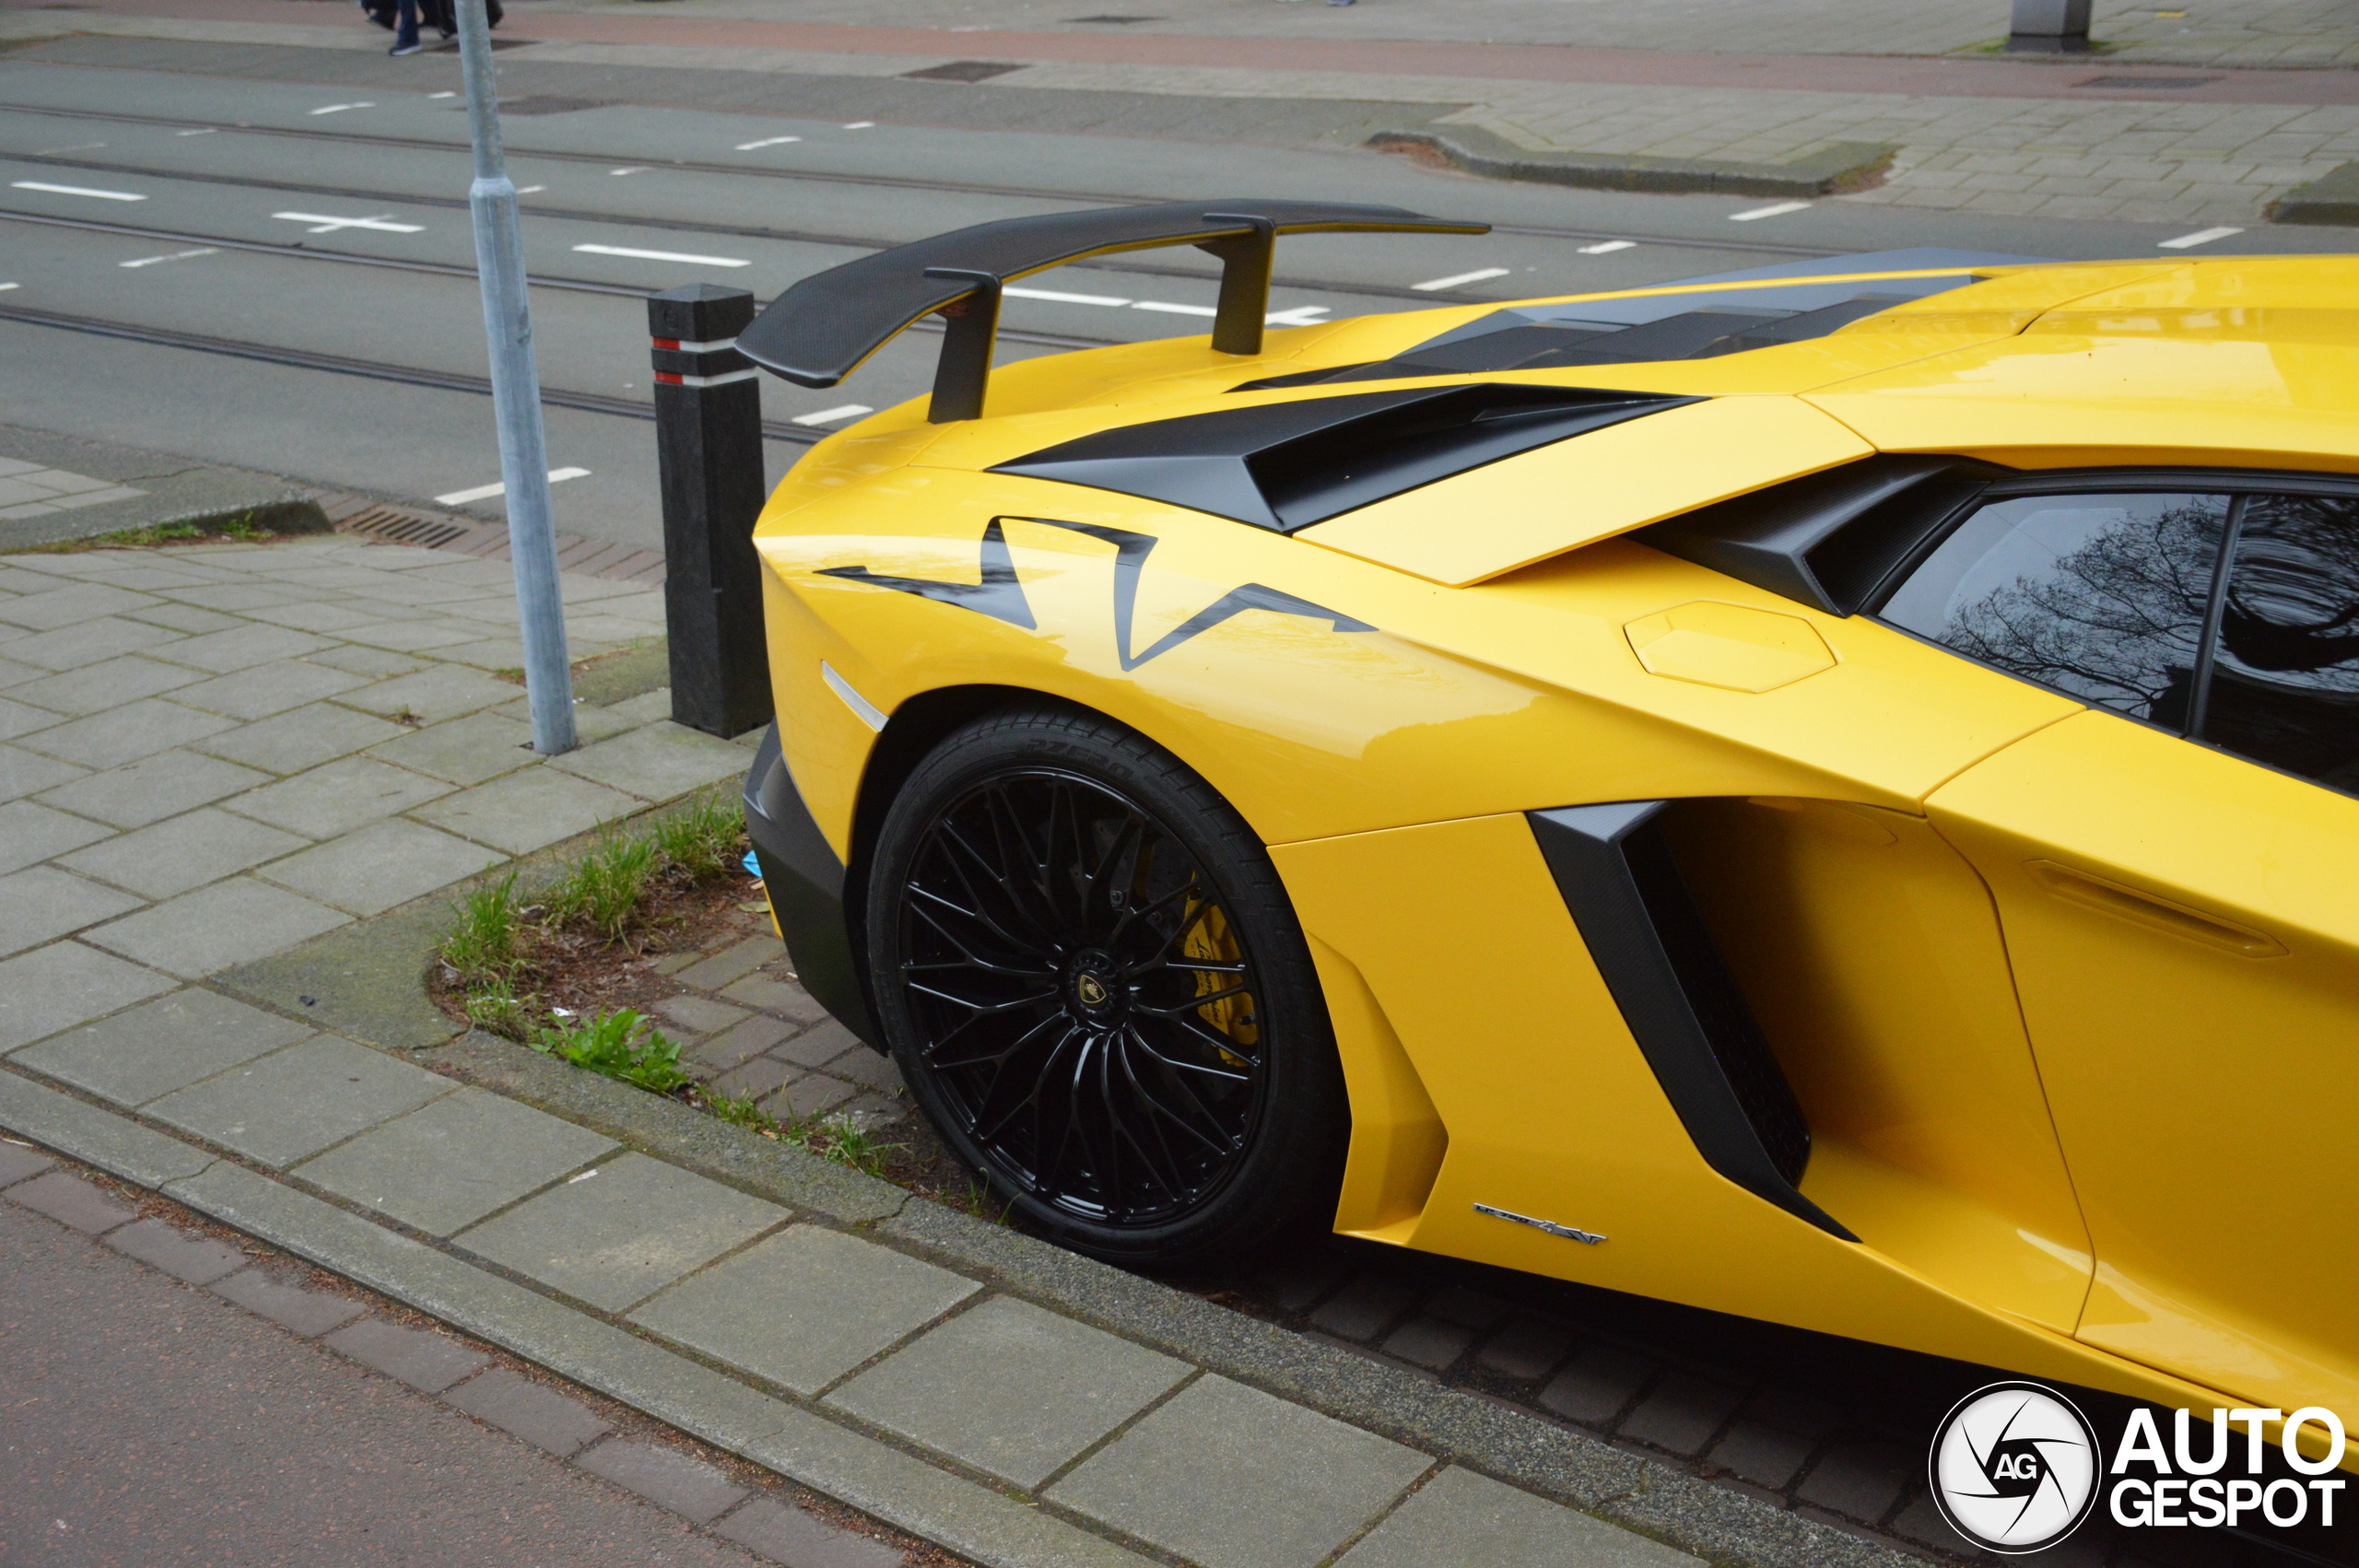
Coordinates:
[821,330]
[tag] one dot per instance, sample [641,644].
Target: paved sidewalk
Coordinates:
[210,753]
[332,1428]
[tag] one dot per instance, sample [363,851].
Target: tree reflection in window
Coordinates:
[2285,680]
[2103,597]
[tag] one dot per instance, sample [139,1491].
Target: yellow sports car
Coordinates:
[1823,793]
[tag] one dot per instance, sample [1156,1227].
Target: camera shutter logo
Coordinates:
[2015,1468]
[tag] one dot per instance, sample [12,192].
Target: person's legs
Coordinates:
[405,33]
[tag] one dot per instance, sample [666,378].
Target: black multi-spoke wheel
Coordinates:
[1089,974]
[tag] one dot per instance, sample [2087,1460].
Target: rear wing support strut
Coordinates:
[822,329]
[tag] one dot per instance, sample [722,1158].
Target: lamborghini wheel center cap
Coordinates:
[1093,986]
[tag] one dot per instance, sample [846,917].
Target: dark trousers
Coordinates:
[406,24]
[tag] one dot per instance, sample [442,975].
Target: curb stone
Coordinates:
[173,490]
[971,1519]
[1841,167]
[2331,199]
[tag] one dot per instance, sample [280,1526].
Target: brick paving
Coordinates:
[466,1379]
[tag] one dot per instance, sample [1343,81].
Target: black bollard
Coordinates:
[709,446]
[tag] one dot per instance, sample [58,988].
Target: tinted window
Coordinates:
[2103,597]
[2285,679]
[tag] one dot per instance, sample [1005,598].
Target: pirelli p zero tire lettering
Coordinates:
[1092,978]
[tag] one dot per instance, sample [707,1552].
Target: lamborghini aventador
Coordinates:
[1824,794]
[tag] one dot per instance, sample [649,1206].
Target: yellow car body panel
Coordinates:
[1992,937]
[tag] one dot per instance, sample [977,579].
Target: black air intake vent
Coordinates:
[1287,465]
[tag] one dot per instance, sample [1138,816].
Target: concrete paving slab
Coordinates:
[1011,1390]
[381,865]
[805,1306]
[32,833]
[464,751]
[154,788]
[299,1311]
[198,1259]
[524,812]
[160,1045]
[424,1360]
[733,963]
[1459,1516]
[185,617]
[247,645]
[447,1165]
[126,733]
[70,605]
[70,648]
[56,986]
[215,927]
[657,761]
[110,683]
[24,773]
[375,663]
[281,1107]
[784,1533]
[337,796]
[70,1201]
[269,688]
[413,637]
[42,903]
[303,738]
[1230,1477]
[615,1237]
[184,853]
[443,692]
[23,719]
[18,1161]
[664,1477]
[520,1407]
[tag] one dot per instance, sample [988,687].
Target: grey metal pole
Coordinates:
[516,398]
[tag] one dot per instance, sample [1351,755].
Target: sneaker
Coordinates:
[405,49]
[448,33]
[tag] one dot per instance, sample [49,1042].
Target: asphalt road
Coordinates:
[331,221]
[149,1423]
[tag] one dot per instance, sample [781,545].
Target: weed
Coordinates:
[743,1112]
[981,1202]
[699,837]
[497,1009]
[842,1139]
[408,717]
[604,886]
[620,1045]
[484,945]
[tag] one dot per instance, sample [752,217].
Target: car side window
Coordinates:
[2284,686]
[2102,596]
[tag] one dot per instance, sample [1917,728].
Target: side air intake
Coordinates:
[1675,990]
[1286,465]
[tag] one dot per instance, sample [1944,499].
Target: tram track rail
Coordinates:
[370,369]
[887,182]
[448,269]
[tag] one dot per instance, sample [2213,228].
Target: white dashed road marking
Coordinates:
[1774,209]
[1173,309]
[1454,279]
[486,492]
[76,190]
[209,130]
[326,224]
[6,286]
[861,125]
[1300,316]
[829,416]
[767,142]
[1055,296]
[632,169]
[340,108]
[1607,247]
[528,190]
[175,256]
[661,257]
[2201,237]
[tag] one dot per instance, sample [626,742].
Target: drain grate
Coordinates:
[963,71]
[397,527]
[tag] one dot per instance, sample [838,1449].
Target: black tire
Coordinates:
[1056,904]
